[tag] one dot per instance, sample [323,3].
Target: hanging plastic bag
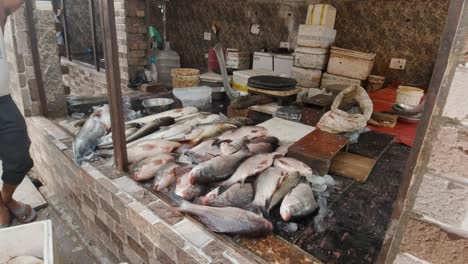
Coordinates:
[338,121]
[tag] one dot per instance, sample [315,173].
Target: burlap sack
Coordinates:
[338,121]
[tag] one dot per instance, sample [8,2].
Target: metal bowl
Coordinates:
[157,105]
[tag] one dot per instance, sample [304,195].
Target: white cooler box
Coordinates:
[331,79]
[32,240]
[311,58]
[306,78]
[322,15]
[349,63]
[240,79]
[314,36]
[283,65]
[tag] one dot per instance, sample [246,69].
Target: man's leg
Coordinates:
[5,217]
[14,153]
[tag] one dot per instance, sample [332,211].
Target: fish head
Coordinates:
[211,197]
[286,213]
[194,174]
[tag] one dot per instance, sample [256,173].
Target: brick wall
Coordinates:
[83,79]
[23,84]
[128,223]
[137,36]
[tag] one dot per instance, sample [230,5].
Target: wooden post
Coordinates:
[92,13]
[111,57]
[36,60]
[65,30]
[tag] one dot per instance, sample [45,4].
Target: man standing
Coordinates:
[14,139]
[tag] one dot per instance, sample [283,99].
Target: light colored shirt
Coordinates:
[4,68]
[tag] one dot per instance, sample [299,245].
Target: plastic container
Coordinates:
[184,77]
[349,63]
[409,95]
[321,14]
[199,96]
[263,60]
[283,64]
[166,61]
[331,79]
[311,58]
[375,83]
[314,36]
[153,69]
[307,78]
[34,239]
[240,79]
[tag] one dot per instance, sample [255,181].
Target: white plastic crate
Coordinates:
[34,240]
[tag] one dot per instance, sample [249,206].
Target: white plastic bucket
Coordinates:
[409,95]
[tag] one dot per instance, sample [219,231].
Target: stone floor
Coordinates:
[69,247]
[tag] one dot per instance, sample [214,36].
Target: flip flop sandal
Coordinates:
[20,214]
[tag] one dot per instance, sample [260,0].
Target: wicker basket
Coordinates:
[183,77]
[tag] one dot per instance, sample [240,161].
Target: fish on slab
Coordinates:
[238,195]
[187,190]
[299,202]
[168,134]
[290,181]
[243,132]
[265,186]
[149,148]
[292,165]
[147,168]
[166,176]
[251,167]
[218,168]
[211,131]
[226,220]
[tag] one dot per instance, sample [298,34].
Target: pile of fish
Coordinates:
[227,173]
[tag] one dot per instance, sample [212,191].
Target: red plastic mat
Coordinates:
[383,101]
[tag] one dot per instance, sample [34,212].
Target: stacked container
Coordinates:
[313,45]
[348,67]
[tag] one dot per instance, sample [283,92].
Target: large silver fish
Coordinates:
[292,165]
[187,190]
[204,152]
[172,133]
[166,176]
[238,195]
[202,120]
[147,168]
[211,131]
[107,141]
[151,128]
[251,167]
[175,113]
[300,201]
[217,169]
[288,182]
[87,139]
[149,148]
[227,220]
[265,186]
[244,132]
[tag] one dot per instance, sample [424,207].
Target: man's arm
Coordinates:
[12,5]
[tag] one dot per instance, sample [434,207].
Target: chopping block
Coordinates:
[317,150]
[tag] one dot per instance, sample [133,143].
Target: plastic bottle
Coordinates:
[154,69]
[166,61]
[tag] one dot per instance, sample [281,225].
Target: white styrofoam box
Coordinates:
[331,79]
[349,63]
[263,60]
[311,58]
[322,15]
[283,65]
[238,59]
[306,78]
[240,79]
[34,240]
[314,36]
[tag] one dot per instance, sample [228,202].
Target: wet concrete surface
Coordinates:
[359,214]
